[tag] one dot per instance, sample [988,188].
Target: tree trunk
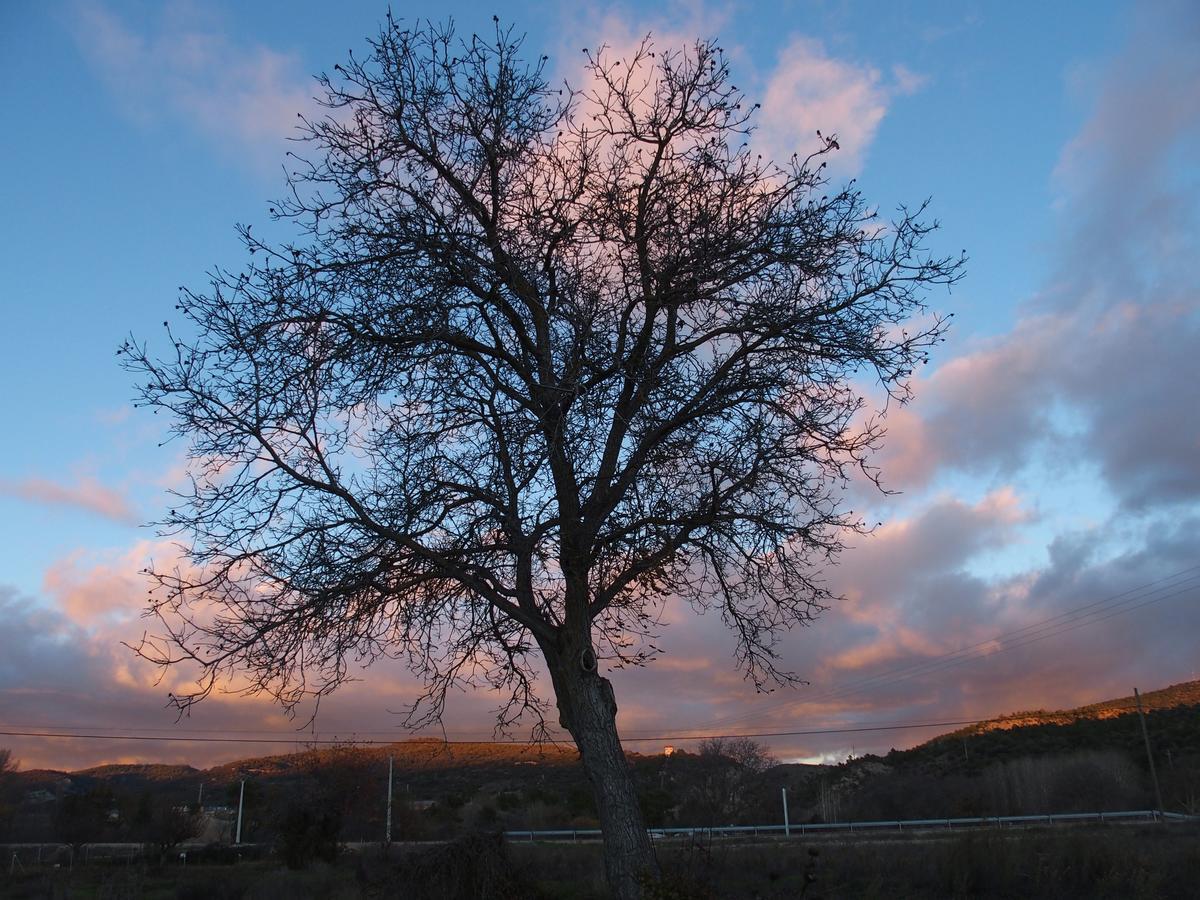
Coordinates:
[588,710]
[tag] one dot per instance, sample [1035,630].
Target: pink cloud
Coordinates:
[677,25]
[897,643]
[88,586]
[810,90]
[64,664]
[86,493]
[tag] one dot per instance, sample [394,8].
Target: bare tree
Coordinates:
[162,824]
[747,753]
[8,769]
[538,360]
[733,764]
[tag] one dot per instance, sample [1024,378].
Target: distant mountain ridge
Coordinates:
[1185,693]
[1083,759]
[432,757]
[439,765]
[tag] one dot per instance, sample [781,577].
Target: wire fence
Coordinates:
[23,856]
[808,828]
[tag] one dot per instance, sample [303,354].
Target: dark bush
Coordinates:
[307,834]
[475,867]
[508,800]
[656,806]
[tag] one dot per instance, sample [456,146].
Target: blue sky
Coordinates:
[1051,454]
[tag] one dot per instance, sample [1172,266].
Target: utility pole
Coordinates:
[241,798]
[200,798]
[388,839]
[1149,756]
[787,828]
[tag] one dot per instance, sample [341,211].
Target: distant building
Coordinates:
[668,750]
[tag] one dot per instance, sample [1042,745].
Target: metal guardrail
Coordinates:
[1148,815]
[50,853]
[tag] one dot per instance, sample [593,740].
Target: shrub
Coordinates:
[307,834]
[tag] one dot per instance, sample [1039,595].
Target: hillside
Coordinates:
[1186,693]
[421,755]
[439,767]
[1083,759]
[1172,717]
[430,767]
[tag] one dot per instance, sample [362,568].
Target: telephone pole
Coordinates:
[1149,756]
[241,799]
[388,839]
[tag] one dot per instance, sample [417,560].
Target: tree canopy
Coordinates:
[539,359]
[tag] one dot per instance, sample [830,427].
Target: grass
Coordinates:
[1149,862]
[1080,863]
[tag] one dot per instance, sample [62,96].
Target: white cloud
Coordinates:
[242,97]
[810,91]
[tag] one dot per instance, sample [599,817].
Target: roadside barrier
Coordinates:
[796,829]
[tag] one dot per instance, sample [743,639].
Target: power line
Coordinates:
[1077,617]
[1183,581]
[369,743]
[1081,616]
[1090,613]
[937,664]
[179,738]
[299,735]
[352,742]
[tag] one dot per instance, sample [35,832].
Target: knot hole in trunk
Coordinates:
[587,660]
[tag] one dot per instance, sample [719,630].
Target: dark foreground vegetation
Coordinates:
[1146,862]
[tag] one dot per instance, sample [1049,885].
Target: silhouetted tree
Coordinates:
[309,832]
[539,360]
[163,824]
[747,753]
[730,767]
[8,769]
[83,817]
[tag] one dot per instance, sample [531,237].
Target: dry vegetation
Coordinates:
[1149,862]
[1176,695]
